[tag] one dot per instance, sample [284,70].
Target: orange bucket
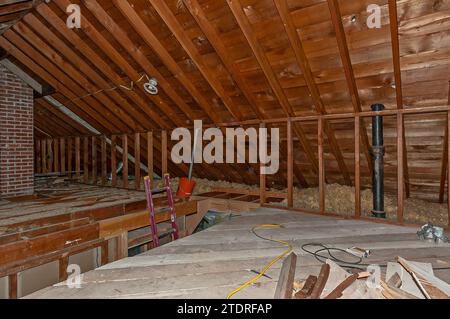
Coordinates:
[185,188]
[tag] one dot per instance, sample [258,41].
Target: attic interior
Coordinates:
[349,99]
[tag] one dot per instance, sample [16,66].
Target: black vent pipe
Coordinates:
[378,163]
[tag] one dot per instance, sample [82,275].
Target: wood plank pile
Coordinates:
[403,280]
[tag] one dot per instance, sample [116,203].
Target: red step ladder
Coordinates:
[170,208]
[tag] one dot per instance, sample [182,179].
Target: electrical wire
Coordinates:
[263,272]
[356,263]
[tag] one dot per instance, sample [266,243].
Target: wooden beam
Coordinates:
[448,165]
[12,284]
[63,264]
[164,153]
[56,155]
[86,160]
[321,166]
[263,61]
[302,61]
[50,156]
[262,178]
[150,156]
[103,159]
[77,157]
[137,161]
[113,161]
[122,245]
[290,165]
[285,285]
[444,165]
[400,162]
[69,156]
[349,74]
[62,146]
[393,18]
[94,160]
[125,160]
[210,75]
[357,137]
[44,156]
[38,156]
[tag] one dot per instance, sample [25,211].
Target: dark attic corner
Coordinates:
[224,149]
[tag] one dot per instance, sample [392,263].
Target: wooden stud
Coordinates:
[77,157]
[62,146]
[56,156]
[290,167]
[63,264]
[122,245]
[444,162]
[357,137]
[137,161]
[262,179]
[86,160]
[38,156]
[321,166]
[49,156]
[150,156]
[103,159]
[400,175]
[12,283]
[104,253]
[69,157]
[94,160]
[113,161]
[44,156]
[164,152]
[125,160]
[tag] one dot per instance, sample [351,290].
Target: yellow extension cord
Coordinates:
[262,273]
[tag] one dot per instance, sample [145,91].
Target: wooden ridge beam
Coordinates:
[349,74]
[393,18]
[238,13]
[302,61]
[444,164]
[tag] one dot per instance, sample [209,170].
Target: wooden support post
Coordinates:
[448,170]
[104,164]
[77,157]
[122,245]
[44,156]
[125,160]
[63,263]
[290,165]
[69,157]
[62,146]
[400,174]
[164,152]
[113,161]
[12,283]
[56,156]
[150,156]
[321,166]
[262,177]
[94,160]
[105,253]
[444,164]
[137,161]
[86,160]
[49,156]
[38,157]
[357,137]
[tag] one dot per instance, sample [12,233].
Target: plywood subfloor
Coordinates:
[213,262]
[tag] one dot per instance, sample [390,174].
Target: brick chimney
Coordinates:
[16,136]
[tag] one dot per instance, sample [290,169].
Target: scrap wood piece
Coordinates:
[337,292]
[307,288]
[321,282]
[337,275]
[285,284]
[392,292]
[408,284]
[395,281]
[431,286]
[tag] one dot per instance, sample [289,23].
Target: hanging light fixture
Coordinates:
[151,87]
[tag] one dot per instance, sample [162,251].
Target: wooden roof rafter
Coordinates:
[236,8]
[393,18]
[11,11]
[302,61]
[336,18]
[214,38]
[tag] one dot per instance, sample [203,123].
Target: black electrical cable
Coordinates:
[356,263]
